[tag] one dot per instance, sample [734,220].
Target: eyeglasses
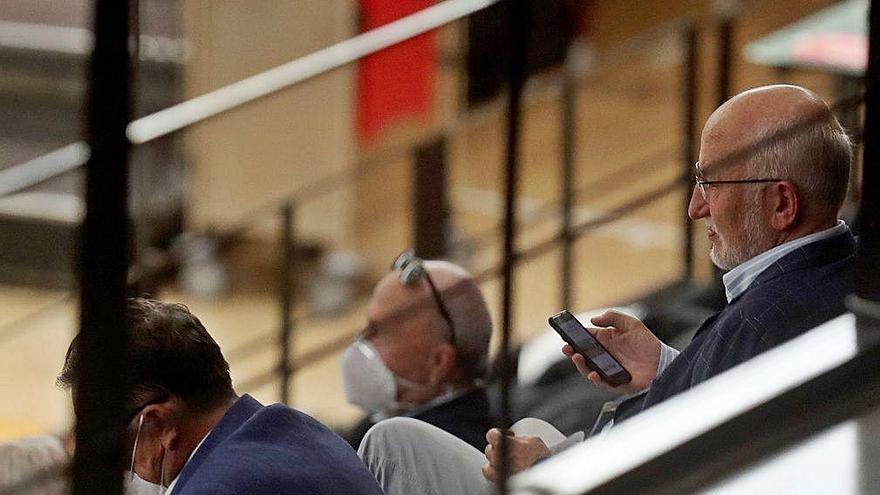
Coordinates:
[412,269]
[702,182]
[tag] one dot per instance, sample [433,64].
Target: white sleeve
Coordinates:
[667,355]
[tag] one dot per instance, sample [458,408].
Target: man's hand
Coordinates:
[522,453]
[628,340]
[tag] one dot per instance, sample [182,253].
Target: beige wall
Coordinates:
[252,156]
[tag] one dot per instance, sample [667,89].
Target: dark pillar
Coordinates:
[431,199]
[99,459]
[868,221]
[725,56]
[568,130]
[516,81]
[688,138]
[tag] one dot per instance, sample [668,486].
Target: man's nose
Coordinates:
[698,207]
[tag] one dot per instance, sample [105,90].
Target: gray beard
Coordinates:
[739,251]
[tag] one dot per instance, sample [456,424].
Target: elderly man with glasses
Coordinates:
[772,176]
[424,351]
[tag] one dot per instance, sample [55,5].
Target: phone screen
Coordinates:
[585,344]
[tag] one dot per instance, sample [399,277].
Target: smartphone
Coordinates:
[582,341]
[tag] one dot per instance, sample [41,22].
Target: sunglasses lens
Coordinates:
[403,260]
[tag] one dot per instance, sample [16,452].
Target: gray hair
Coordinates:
[814,153]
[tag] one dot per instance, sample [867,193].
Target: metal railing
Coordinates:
[183,115]
[251,89]
[680,445]
[178,117]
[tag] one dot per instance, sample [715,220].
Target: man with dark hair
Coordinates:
[774,164]
[191,434]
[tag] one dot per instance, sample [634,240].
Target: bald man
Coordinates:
[772,176]
[423,353]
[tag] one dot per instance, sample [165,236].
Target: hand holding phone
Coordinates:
[582,341]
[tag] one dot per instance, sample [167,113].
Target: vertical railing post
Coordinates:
[688,137]
[866,303]
[726,11]
[430,198]
[286,295]
[568,127]
[517,75]
[100,398]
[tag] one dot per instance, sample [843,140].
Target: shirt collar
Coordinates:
[737,280]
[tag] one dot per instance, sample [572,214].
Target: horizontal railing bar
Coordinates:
[370,164]
[320,352]
[731,418]
[584,228]
[44,167]
[216,102]
[602,186]
[69,40]
[250,89]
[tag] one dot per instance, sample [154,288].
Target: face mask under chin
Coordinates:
[135,485]
[370,384]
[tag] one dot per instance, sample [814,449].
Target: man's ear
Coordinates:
[785,206]
[442,363]
[162,421]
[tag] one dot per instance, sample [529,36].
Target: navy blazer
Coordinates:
[274,450]
[802,290]
[467,416]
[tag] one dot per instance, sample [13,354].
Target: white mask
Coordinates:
[134,484]
[367,381]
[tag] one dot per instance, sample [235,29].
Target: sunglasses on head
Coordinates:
[412,269]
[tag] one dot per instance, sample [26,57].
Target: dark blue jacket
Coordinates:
[274,450]
[468,417]
[802,290]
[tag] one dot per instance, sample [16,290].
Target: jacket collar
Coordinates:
[822,252]
[245,407]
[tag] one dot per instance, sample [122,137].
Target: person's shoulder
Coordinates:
[286,417]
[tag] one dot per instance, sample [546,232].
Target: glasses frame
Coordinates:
[412,269]
[701,182]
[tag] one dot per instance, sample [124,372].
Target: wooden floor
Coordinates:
[628,134]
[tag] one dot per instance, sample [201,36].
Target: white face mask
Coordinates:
[134,484]
[367,381]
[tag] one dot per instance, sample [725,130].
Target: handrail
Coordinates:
[603,186]
[743,412]
[68,40]
[209,105]
[339,342]
[237,94]
[42,168]
[75,155]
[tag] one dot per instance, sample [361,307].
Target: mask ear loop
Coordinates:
[162,474]
[135,448]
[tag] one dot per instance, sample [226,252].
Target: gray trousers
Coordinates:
[411,457]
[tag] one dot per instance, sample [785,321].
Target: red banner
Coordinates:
[398,82]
